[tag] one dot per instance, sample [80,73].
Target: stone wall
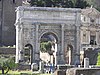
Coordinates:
[8,51]
[11,51]
[7,28]
[78,71]
[23,67]
[92,55]
[83,71]
[60,72]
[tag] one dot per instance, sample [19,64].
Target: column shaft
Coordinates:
[62,39]
[36,37]
[78,40]
[17,44]
[37,45]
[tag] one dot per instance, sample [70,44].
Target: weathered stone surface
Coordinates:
[8,51]
[60,72]
[64,67]
[23,67]
[34,67]
[34,22]
[72,28]
[83,71]
[7,20]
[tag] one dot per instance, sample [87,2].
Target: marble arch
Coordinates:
[33,22]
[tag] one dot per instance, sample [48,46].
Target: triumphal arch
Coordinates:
[62,23]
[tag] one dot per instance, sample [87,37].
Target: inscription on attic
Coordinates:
[49,15]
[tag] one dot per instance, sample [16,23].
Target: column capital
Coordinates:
[62,25]
[20,8]
[78,28]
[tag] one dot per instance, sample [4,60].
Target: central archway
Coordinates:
[48,41]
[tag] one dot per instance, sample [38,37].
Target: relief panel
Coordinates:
[85,37]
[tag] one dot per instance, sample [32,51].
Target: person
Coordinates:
[47,69]
[77,63]
[51,68]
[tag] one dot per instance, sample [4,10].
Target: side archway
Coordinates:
[28,53]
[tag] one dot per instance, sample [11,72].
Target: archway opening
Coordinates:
[28,54]
[48,48]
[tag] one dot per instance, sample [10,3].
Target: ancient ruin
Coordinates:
[62,23]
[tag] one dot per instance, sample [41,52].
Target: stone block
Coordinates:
[34,67]
[83,71]
[64,67]
[23,67]
[60,72]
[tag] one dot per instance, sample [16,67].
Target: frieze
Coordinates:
[49,20]
[49,27]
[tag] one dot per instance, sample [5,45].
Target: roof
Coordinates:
[91,12]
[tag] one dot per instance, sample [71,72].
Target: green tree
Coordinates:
[42,47]
[67,4]
[7,64]
[45,46]
[60,3]
[37,3]
[81,4]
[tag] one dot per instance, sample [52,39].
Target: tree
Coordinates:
[67,4]
[60,3]
[42,47]
[37,3]
[7,64]
[81,4]
[45,46]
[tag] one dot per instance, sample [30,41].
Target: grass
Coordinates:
[98,60]
[20,72]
